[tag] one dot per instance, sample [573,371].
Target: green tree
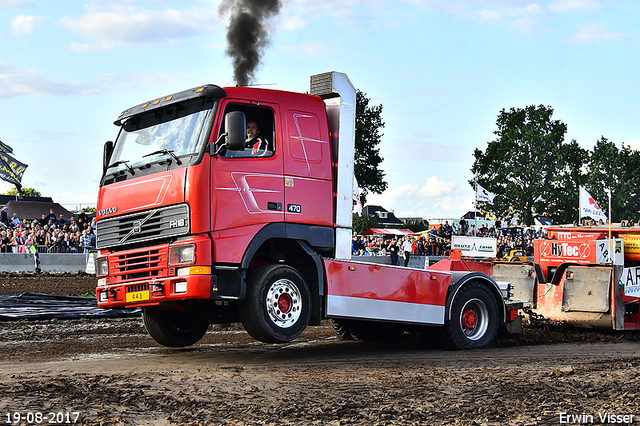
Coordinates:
[522,164]
[615,169]
[565,197]
[362,223]
[416,226]
[26,192]
[367,154]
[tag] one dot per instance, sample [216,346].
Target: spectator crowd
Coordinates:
[437,240]
[48,234]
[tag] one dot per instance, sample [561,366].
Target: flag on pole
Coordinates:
[484,195]
[5,148]
[11,170]
[356,196]
[589,207]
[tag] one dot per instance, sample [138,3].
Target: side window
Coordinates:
[260,141]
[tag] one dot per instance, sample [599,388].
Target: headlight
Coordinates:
[102,266]
[182,255]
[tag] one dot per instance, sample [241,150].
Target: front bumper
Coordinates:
[154,291]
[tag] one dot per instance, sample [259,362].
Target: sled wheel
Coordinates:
[474,319]
[341,329]
[174,329]
[277,307]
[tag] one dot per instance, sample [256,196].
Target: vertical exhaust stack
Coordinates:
[339,97]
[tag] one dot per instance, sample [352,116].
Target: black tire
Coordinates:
[474,319]
[277,307]
[341,328]
[174,329]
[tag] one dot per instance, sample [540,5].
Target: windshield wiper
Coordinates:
[166,152]
[125,162]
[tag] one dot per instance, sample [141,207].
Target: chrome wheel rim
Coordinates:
[474,319]
[284,303]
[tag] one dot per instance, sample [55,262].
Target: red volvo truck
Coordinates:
[197,228]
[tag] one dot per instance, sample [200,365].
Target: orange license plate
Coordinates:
[137,296]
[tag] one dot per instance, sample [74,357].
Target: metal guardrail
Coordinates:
[52,249]
[44,262]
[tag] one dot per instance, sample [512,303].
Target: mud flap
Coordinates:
[521,278]
[587,290]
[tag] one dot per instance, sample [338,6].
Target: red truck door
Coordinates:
[247,187]
[308,184]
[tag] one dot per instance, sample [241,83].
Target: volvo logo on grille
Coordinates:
[137,227]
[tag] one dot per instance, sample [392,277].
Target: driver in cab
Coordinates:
[258,145]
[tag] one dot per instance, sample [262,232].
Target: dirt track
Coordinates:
[111,373]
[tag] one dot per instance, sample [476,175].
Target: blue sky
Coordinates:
[442,69]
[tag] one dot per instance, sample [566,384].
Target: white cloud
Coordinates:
[519,18]
[147,81]
[341,9]
[634,144]
[73,200]
[289,22]
[517,15]
[593,33]
[435,187]
[129,26]
[16,81]
[24,24]
[434,197]
[564,6]
[16,4]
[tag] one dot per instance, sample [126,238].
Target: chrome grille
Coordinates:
[143,226]
[137,265]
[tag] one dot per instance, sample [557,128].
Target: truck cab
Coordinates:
[186,211]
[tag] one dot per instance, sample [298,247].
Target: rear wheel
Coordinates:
[474,319]
[172,328]
[277,307]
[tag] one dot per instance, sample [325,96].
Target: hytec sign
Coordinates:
[565,249]
[573,250]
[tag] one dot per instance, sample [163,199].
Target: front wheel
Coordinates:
[277,307]
[474,319]
[172,328]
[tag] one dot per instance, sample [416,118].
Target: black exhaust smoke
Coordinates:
[247,34]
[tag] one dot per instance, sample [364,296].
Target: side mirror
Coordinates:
[106,154]
[236,125]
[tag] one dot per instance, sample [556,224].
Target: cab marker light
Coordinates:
[193,270]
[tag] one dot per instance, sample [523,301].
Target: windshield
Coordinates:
[159,136]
